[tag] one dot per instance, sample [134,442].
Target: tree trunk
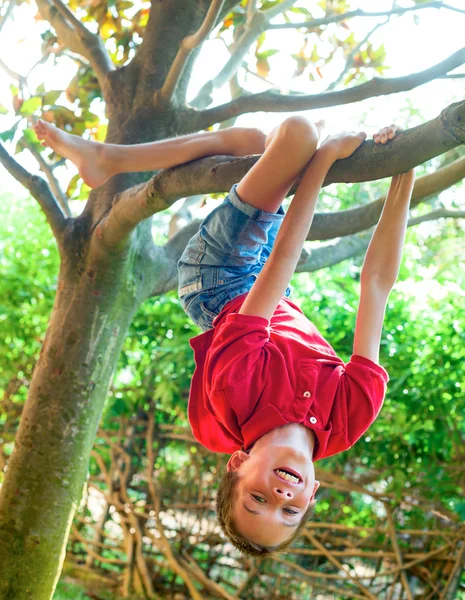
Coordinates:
[99,290]
[49,465]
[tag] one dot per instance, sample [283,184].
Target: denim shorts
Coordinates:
[223,259]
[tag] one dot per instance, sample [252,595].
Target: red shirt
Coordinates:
[253,375]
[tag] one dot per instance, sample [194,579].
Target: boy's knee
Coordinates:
[298,132]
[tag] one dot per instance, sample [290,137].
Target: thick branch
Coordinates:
[77,37]
[39,190]
[313,23]
[188,45]
[313,260]
[333,254]
[271,101]
[218,174]
[171,252]
[327,226]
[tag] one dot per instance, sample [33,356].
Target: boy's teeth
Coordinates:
[287,476]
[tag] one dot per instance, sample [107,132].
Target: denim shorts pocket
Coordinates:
[195,250]
[207,312]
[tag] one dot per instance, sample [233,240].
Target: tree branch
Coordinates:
[163,96]
[7,14]
[310,261]
[327,226]
[434,215]
[332,254]
[47,169]
[78,38]
[271,101]
[255,26]
[355,245]
[218,174]
[39,190]
[251,9]
[13,74]
[170,254]
[350,59]
[335,18]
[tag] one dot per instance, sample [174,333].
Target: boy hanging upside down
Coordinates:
[267,388]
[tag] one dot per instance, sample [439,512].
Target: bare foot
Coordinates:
[89,157]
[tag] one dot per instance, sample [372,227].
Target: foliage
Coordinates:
[28,271]
[69,591]
[413,449]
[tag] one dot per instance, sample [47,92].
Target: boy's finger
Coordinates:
[392,130]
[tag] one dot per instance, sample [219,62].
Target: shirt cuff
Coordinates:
[366,362]
[247,320]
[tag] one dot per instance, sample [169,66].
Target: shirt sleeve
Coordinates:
[363,387]
[238,349]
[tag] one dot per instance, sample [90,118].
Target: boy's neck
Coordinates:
[293,434]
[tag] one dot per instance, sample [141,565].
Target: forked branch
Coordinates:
[189,43]
[77,37]
[257,22]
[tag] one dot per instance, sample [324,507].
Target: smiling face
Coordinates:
[276,486]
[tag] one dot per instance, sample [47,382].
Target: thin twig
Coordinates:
[395,545]
[350,59]
[339,565]
[255,26]
[336,18]
[6,16]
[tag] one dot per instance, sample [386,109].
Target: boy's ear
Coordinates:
[315,488]
[236,460]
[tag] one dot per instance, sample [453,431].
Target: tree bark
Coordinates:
[46,473]
[99,289]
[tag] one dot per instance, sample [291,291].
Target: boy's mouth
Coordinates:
[288,475]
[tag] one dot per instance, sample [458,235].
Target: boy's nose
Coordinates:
[283,493]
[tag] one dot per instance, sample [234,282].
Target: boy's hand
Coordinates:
[385,134]
[342,145]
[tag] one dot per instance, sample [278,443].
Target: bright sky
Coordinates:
[412,44]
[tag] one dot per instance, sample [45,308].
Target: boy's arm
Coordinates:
[275,276]
[381,266]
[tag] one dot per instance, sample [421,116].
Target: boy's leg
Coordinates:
[223,259]
[267,183]
[97,162]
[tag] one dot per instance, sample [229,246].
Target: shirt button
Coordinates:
[313,420]
[307,394]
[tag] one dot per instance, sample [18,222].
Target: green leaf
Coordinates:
[30,106]
[266,54]
[3,110]
[51,97]
[8,134]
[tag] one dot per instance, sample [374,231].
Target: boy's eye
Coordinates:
[258,498]
[289,511]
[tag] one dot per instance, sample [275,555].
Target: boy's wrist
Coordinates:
[325,157]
